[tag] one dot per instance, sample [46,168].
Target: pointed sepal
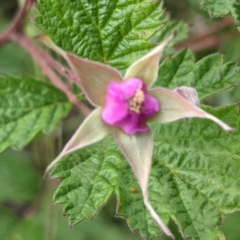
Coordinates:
[138,149]
[94,77]
[146,68]
[173,107]
[92,130]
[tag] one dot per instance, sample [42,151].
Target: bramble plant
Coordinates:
[150,135]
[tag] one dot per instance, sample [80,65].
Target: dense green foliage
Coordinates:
[194,181]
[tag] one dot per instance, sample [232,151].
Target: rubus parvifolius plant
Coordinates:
[124,107]
[148,138]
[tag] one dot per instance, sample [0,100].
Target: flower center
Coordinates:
[135,103]
[128,106]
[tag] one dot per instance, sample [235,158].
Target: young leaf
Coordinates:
[194,179]
[27,107]
[115,32]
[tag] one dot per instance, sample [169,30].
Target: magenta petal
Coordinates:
[128,106]
[151,105]
[115,109]
[132,124]
[125,89]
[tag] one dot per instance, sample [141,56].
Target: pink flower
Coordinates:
[128,106]
[124,106]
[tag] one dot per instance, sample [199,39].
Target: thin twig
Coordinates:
[59,68]
[38,55]
[210,42]
[207,40]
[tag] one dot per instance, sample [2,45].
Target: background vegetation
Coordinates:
[25,197]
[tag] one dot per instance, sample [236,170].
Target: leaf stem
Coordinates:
[208,40]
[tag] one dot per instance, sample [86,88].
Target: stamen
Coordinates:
[135,103]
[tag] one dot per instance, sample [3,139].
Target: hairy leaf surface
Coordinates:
[194,179]
[113,32]
[208,76]
[27,107]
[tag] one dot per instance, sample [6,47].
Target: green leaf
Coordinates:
[209,75]
[194,179]
[218,8]
[27,107]
[176,71]
[103,171]
[115,32]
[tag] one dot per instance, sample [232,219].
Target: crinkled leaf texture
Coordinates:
[115,32]
[222,7]
[194,178]
[208,76]
[27,107]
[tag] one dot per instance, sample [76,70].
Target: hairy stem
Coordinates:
[39,56]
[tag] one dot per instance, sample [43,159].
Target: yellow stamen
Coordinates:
[135,103]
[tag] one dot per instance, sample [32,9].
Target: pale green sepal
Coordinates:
[146,68]
[138,149]
[174,107]
[94,77]
[92,130]
[156,218]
